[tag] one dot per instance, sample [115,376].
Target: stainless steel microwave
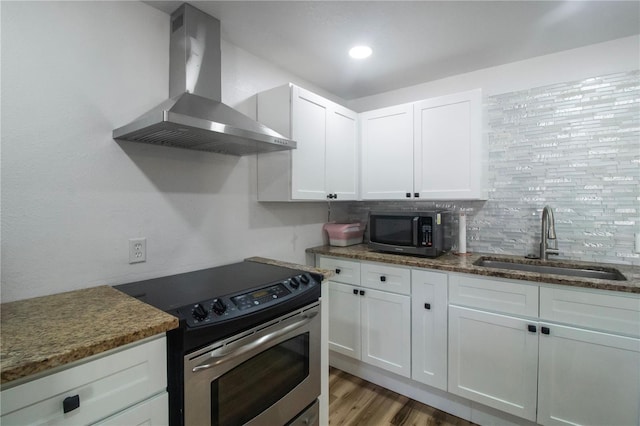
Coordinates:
[424,233]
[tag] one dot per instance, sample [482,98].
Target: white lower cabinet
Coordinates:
[429,328]
[588,377]
[345,334]
[551,354]
[493,360]
[370,325]
[124,387]
[386,331]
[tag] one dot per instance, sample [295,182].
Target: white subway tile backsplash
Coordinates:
[574,146]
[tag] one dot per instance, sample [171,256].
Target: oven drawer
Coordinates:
[103,387]
[347,271]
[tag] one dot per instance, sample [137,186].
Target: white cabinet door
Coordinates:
[387,153]
[448,153]
[493,360]
[344,319]
[588,378]
[429,328]
[341,171]
[308,128]
[386,331]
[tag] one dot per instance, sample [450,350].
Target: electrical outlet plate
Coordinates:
[137,250]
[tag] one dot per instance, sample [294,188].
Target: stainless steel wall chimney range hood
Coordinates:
[193,117]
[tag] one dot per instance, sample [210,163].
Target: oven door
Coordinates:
[264,376]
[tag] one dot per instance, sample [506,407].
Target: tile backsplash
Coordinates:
[574,146]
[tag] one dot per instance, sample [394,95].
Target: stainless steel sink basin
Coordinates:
[550,268]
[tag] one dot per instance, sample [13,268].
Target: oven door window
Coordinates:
[253,386]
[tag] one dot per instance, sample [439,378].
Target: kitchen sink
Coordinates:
[549,268]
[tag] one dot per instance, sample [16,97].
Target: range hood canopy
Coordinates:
[194,117]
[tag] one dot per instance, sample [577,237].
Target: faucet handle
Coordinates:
[554,251]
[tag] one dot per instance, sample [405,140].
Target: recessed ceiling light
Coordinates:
[360,52]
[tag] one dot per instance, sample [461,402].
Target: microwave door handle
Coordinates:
[222,356]
[415,231]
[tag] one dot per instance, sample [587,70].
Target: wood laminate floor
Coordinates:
[353,401]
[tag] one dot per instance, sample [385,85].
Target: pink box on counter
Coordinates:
[344,234]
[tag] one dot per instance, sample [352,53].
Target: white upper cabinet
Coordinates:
[449,156]
[432,149]
[387,153]
[341,171]
[324,164]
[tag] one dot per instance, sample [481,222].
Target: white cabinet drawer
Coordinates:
[386,278]
[152,412]
[601,311]
[104,385]
[347,271]
[494,294]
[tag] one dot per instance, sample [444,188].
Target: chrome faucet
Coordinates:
[548,233]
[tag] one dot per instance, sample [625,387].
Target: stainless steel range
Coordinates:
[248,347]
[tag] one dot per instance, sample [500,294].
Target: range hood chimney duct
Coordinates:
[194,117]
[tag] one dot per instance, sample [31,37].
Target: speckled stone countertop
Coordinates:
[457,263]
[327,273]
[50,331]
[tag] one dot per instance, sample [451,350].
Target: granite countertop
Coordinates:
[464,263]
[327,273]
[50,331]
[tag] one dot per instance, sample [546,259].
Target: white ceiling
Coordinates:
[412,41]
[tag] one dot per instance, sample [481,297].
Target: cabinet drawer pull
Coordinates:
[427,305]
[383,278]
[361,292]
[337,270]
[544,330]
[70,403]
[355,291]
[532,328]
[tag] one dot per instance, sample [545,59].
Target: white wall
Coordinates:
[72,197]
[594,60]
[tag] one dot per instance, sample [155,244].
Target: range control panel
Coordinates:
[231,306]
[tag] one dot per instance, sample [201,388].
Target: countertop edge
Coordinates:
[464,264]
[326,273]
[30,364]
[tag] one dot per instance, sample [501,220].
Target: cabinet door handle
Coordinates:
[70,403]
[355,291]
[544,330]
[416,195]
[361,292]
[532,328]
[408,195]
[337,270]
[427,305]
[335,196]
[383,278]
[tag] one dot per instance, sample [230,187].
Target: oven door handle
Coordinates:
[222,356]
